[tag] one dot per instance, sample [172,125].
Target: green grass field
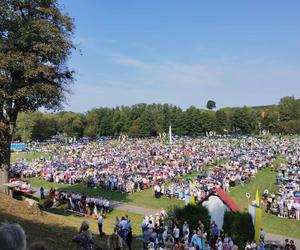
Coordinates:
[26,155]
[263,180]
[109,220]
[141,199]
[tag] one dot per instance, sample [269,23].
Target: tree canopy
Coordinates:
[211,104]
[35,43]
[142,120]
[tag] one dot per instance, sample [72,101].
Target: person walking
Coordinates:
[100,225]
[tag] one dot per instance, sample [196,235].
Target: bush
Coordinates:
[239,227]
[190,213]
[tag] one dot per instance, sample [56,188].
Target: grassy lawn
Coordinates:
[135,219]
[57,230]
[26,155]
[141,199]
[265,179]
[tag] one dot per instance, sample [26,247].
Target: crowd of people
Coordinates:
[135,165]
[286,202]
[158,234]
[81,204]
[241,168]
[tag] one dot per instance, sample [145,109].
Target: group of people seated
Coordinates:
[235,172]
[81,204]
[285,202]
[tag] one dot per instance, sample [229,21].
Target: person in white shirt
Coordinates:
[176,234]
[100,225]
[185,229]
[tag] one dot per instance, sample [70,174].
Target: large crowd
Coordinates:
[158,233]
[135,165]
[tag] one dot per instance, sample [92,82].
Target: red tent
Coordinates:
[227,200]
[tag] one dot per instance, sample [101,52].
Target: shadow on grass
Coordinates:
[59,211]
[54,235]
[97,192]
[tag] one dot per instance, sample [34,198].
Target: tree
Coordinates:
[35,43]
[70,123]
[191,214]
[211,104]
[239,227]
[221,121]
[289,108]
[25,126]
[241,120]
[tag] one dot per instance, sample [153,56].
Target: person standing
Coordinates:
[129,239]
[146,238]
[185,229]
[262,234]
[100,225]
[84,239]
[42,193]
[176,232]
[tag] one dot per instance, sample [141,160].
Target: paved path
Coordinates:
[132,208]
[280,239]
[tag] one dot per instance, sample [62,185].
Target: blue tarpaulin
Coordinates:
[17,146]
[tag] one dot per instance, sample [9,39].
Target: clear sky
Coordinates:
[236,52]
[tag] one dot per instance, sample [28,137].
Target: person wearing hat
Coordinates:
[85,239]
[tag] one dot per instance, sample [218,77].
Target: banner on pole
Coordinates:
[258,215]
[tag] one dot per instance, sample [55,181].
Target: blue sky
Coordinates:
[184,52]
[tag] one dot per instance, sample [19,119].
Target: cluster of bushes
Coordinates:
[238,225]
[191,214]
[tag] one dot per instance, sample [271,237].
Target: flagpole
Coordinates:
[170,134]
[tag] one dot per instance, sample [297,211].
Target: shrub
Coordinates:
[190,213]
[239,227]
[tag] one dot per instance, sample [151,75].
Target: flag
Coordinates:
[258,214]
[257,198]
[192,199]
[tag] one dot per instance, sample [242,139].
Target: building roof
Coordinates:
[227,200]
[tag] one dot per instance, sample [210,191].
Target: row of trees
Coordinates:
[142,120]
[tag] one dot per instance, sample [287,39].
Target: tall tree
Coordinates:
[221,121]
[35,43]
[289,108]
[211,104]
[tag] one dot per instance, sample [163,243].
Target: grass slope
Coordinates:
[29,156]
[265,179]
[57,230]
[141,199]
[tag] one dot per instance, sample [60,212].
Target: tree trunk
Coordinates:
[4,179]
[5,141]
